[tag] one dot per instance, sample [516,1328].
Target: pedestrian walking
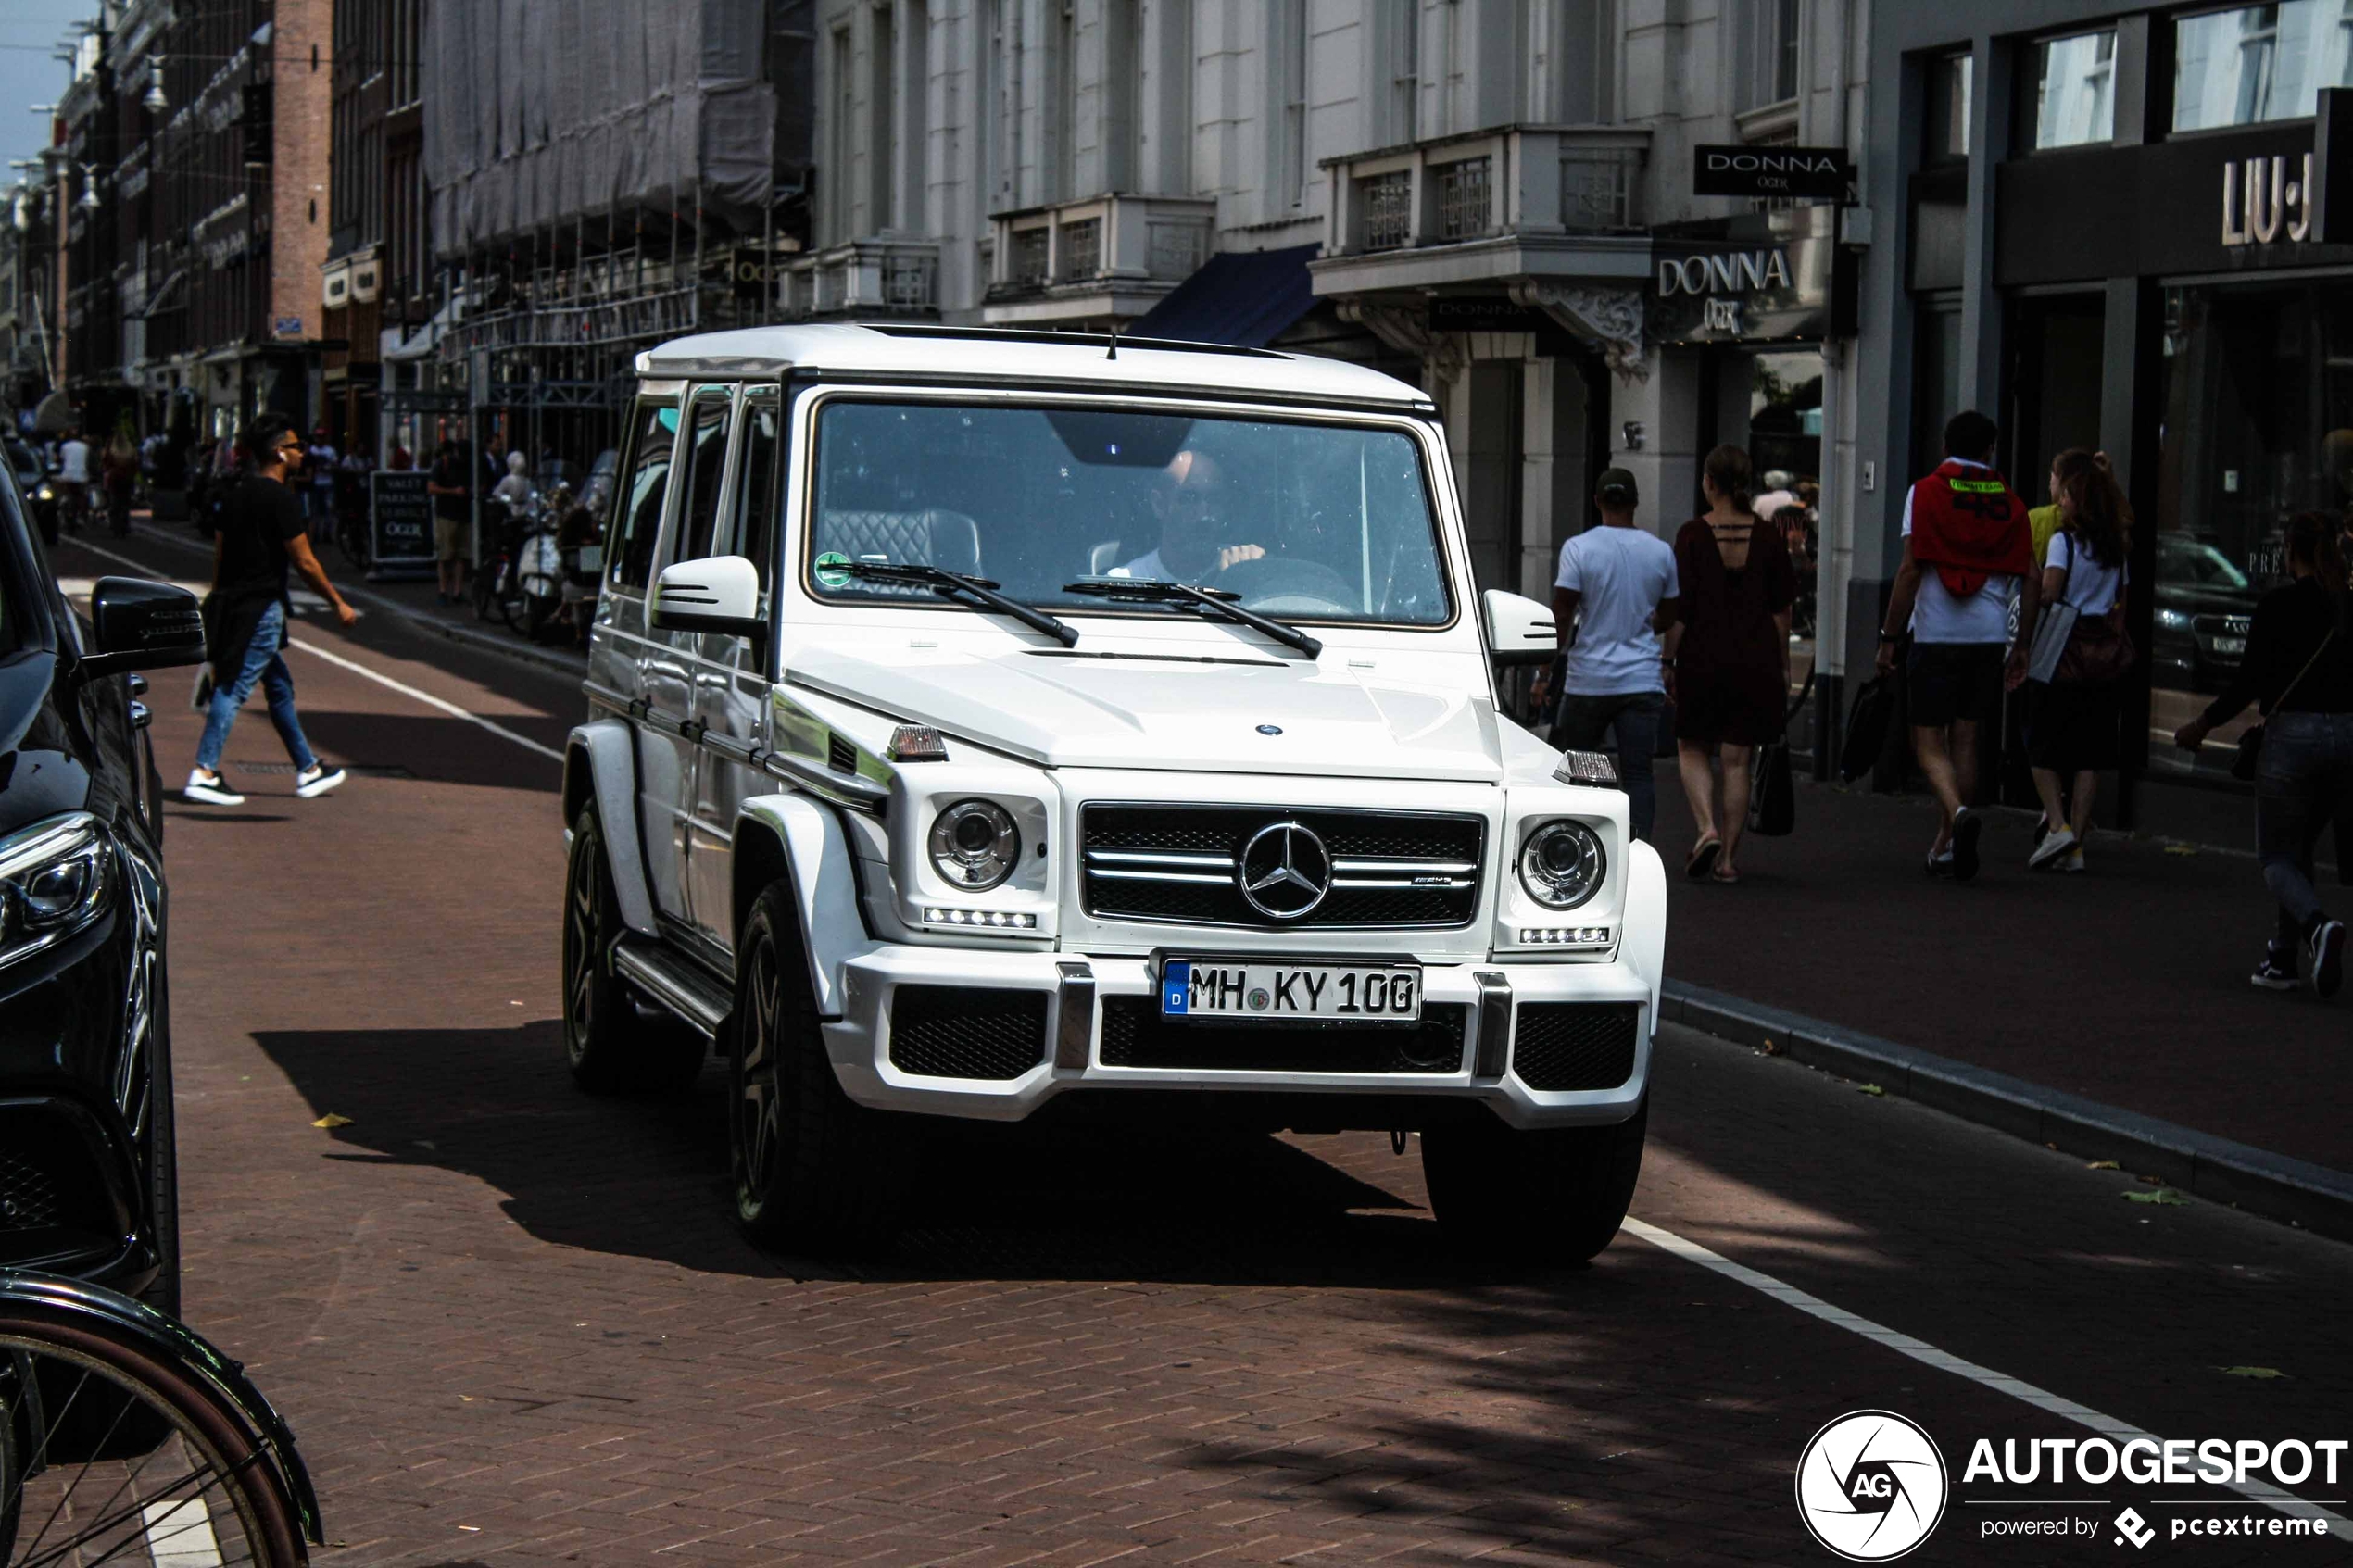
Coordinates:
[74,477]
[2299,669]
[451,486]
[259,533]
[319,491]
[1731,655]
[1968,553]
[2074,719]
[1613,602]
[118,477]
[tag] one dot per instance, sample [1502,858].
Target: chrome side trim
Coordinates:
[846,789]
[1074,1029]
[665,979]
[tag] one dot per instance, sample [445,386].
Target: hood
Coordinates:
[1082,710]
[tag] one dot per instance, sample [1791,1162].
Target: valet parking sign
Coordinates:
[1872,1485]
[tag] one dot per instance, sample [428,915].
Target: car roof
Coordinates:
[991,356]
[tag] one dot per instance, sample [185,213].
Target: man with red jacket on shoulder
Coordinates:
[1969,551]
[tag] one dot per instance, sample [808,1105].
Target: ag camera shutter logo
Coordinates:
[1871,1485]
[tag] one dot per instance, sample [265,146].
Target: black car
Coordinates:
[88,1183]
[2203,603]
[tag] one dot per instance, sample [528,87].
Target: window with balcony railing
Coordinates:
[1597,189]
[1174,250]
[1464,199]
[1029,256]
[1387,202]
[1082,249]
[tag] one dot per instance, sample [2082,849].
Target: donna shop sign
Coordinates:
[1732,291]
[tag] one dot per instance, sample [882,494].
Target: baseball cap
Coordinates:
[1616,486]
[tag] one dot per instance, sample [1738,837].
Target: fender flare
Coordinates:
[110,1315]
[1643,945]
[606,751]
[821,867]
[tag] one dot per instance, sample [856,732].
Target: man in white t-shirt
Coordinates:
[1969,551]
[1190,503]
[1614,603]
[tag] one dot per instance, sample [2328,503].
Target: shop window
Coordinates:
[1950,81]
[2258,63]
[2074,90]
[1936,381]
[2258,427]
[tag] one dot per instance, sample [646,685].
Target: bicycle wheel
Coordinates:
[109,1453]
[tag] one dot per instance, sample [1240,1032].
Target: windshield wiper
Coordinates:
[979,591]
[1208,601]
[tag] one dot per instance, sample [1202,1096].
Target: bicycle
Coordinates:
[125,1437]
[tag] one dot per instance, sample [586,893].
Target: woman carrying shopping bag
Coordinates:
[2078,655]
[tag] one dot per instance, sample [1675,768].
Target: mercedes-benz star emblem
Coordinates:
[1285,871]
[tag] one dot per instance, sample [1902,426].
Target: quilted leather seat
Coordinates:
[945,539]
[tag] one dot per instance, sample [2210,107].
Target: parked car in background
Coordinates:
[88,1177]
[2204,604]
[982,723]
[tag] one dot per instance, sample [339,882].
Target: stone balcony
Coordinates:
[884,275]
[1550,216]
[1106,259]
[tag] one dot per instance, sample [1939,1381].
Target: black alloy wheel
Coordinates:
[611,1049]
[809,1166]
[1545,1199]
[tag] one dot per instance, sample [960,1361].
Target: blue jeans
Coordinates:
[263,664]
[2304,778]
[1635,717]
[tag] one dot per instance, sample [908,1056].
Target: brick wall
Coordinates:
[303,56]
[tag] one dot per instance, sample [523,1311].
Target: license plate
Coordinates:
[2231,646]
[1335,993]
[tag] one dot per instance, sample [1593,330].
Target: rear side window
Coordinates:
[752,532]
[645,481]
[706,459]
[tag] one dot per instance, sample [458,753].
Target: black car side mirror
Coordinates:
[137,624]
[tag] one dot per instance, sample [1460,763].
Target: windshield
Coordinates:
[2188,560]
[1303,520]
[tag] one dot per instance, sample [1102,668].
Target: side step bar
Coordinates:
[675,983]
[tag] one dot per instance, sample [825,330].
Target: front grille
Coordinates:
[1576,1045]
[964,1032]
[1176,865]
[1136,1035]
[28,1195]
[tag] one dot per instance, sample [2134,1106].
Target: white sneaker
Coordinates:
[212,791]
[317,780]
[2074,861]
[2056,846]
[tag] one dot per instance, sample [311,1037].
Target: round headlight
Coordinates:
[1561,864]
[974,844]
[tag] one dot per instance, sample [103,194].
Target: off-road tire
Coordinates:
[613,1050]
[813,1171]
[1546,1198]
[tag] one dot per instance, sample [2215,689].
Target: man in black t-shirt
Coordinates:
[257,533]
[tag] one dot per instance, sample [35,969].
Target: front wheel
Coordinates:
[1544,1199]
[611,1049]
[811,1172]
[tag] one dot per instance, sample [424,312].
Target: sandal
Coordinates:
[1724,875]
[1702,860]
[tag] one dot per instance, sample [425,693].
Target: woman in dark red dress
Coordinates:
[1731,656]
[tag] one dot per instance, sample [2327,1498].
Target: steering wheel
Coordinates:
[1284,585]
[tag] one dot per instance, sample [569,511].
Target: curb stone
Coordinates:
[2216,1169]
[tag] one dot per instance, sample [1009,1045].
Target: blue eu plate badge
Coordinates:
[1176,987]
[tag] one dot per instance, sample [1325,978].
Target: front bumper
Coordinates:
[1068,999]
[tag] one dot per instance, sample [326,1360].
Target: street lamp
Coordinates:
[89,201]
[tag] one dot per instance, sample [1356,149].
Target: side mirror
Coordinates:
[720,594]
[137,624]
[1519,630]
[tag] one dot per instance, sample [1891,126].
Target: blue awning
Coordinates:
[1245,298]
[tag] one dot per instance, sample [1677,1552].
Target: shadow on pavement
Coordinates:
[649,1178]
[441,751]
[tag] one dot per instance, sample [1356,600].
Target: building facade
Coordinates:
[2109,227]
[1479,192]
[375,287]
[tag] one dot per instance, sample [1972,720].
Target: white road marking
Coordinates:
[179,1535]
[1943,1360]
[357,668]
[429,699]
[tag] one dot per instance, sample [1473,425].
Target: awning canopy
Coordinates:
[1244,298]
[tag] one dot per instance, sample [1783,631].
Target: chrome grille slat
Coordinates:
[1166,864]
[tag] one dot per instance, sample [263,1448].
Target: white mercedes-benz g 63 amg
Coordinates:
[985,722]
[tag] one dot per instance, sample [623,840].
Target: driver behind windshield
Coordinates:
[1193,503]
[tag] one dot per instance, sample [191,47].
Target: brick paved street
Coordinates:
[512,1323]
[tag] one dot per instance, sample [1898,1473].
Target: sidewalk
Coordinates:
[2126,985]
